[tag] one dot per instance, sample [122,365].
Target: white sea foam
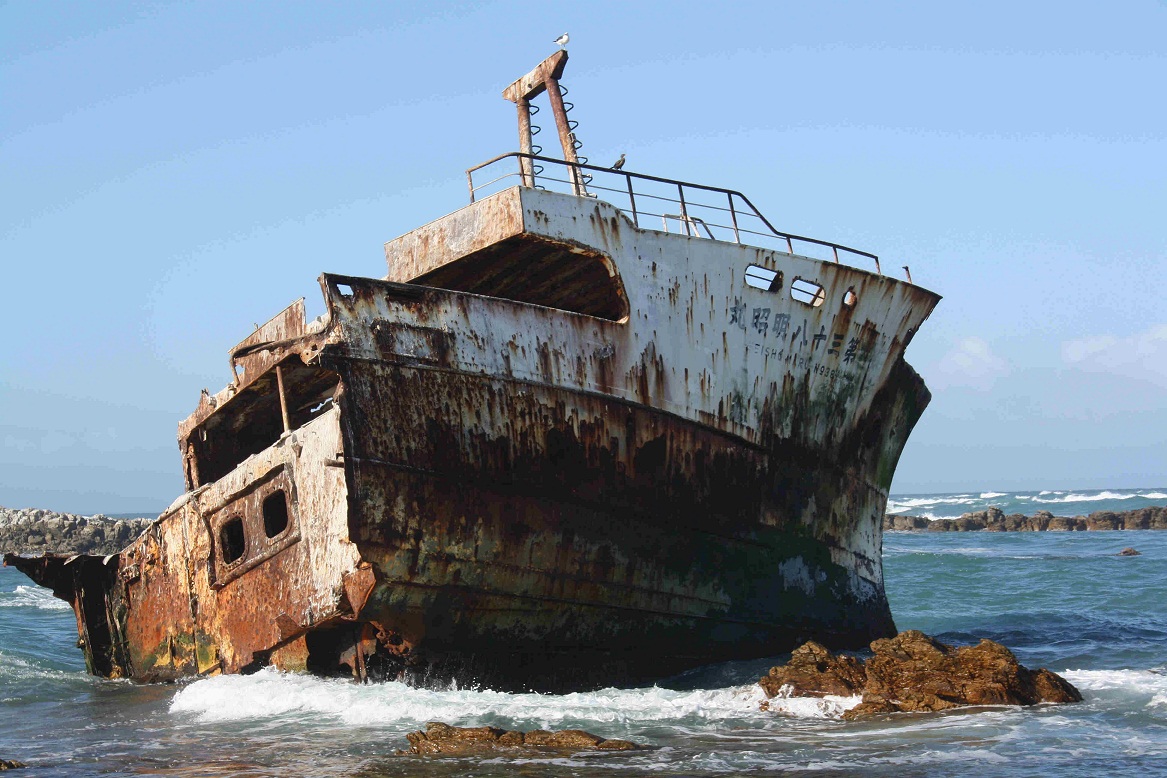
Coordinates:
[13,668]
[901,505]
[970,551]
[1149,688]
[269,694]
[951,506]
[1075,497]
[931,515]
[828,707]
[32,597]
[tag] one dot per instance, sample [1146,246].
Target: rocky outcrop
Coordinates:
[37,531]
[995,520]
[912,672]
[813,671]
[440,738]
[11,764]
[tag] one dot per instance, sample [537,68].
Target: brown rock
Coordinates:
[11,764]
[1064,524]
[1015,521]
[1128,551]
[1104,520]
[813,671]
[1051,687]
[913,672]
[899,523]
[440,738]
[568,738]
[871,706]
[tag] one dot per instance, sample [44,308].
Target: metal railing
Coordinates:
[632,192]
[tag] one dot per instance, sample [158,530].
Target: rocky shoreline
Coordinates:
[995,520]
[37,531]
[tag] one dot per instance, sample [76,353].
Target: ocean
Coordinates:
[1069,502]
[1060,600]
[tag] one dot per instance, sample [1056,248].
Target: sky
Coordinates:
[171,174]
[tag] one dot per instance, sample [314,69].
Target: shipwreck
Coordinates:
[596,427]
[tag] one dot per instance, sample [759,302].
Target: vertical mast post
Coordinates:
[526,167]
[545,78]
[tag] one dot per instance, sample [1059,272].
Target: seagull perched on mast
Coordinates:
[618,163]
[562,40]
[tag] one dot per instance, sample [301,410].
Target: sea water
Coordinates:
[1060,600]
[1063,502]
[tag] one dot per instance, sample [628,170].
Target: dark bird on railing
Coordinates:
[562,40]
[619,163]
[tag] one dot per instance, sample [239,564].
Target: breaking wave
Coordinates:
[1061,502]
[270,693]
[1147,688]
[1073,497]
[905,504]
[32,597]
[15,668]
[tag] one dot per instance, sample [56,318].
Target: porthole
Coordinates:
[807,292]
[275,513]
[232,542]
[850,298]
[763,278]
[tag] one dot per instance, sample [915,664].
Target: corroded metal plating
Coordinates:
[548,449]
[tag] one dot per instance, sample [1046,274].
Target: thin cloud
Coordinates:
[972,363]
[1141,355]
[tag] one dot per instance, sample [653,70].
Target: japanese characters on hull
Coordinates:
[781,336]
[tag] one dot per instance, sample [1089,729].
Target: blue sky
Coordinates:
[170,174]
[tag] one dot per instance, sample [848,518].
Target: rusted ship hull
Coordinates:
[569,452]
[605,542]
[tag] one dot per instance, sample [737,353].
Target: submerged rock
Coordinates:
[11,764]
[913,672]
[1128,551]
[440,738]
